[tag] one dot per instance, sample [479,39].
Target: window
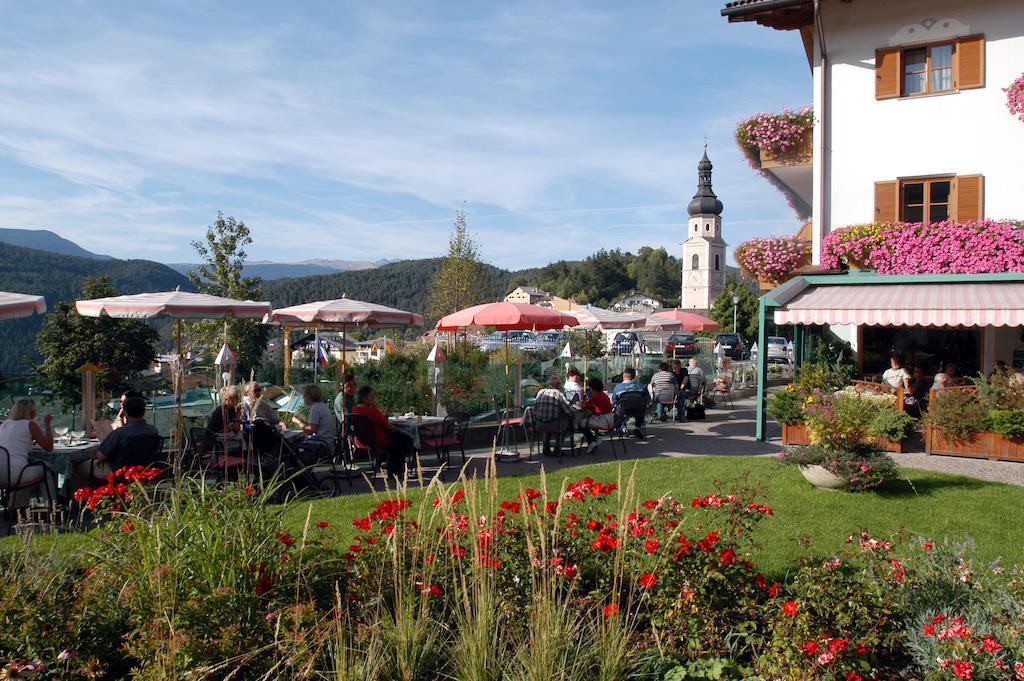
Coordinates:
[949,66]
[925,200]
[718,262]
[917,199]
[695,262]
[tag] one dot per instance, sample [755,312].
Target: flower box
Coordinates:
[796,434]
[984,445]
[823,478]
[797,155]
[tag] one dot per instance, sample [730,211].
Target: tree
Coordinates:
[460,282]
[223,255]
[747,310]
[121,348]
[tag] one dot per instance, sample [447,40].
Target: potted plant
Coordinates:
[765,136]
[856,469]
[1015,97]
[985,420]
[772,260]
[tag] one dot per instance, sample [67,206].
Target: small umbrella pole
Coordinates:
[316,352]
[179,385]
[287,356]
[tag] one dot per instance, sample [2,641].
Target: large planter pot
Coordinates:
[984,445]
[822,478]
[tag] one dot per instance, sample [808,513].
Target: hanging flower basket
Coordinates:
[772,261]
[1015,97]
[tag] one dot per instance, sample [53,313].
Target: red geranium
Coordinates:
[648,580]
[790,608]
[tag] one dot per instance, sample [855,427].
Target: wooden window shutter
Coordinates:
[887,73]
[886,201]
[970,60]
[970,198]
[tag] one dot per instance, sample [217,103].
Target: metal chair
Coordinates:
[559,427]
[10,487]
[452,434]
[507,424]
[725,391]
[666,396]
[362,434]
[613,430]
[633,404]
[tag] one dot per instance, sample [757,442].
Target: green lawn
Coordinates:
[931,504]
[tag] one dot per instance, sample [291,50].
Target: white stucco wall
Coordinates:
[963,133]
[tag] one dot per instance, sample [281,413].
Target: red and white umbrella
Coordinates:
[175,304]
[344,312]
[507,317]
[18,305]
[599,318]
[690,321]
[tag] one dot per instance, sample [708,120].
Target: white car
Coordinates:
[778,349]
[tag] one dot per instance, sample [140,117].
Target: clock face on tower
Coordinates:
[718,278]
[694,277]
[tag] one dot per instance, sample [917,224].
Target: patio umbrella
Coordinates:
[18,305]
[178,305]
[342,313]
[507,317]
[593,317]
[661,324]
[690,321]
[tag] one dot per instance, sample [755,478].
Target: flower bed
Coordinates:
[922,247]
[772,260]
[984,421]
[1015,97]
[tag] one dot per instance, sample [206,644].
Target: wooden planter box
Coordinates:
[984,445]
[799,155]
[796,434]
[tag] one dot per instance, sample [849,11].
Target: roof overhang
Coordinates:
[782,15]
[867,298]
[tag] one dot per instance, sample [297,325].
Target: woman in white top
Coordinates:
[17,435]
[896,375]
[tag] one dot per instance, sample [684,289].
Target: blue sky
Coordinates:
[354,130]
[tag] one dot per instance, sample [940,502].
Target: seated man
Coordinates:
[694,382]
[916,397]
[255,407]
[663,389]
[723,379]
[100,461]
[631,405]
[550,406]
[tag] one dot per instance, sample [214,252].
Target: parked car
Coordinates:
[732,345]
[681,345]
[778,349]
[496,340]
[545,343]
[625,342]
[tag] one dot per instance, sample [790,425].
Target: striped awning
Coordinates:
[993,303]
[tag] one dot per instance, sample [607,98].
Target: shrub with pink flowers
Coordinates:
[772,259]
[777,134]
[1015,97]
[927,247]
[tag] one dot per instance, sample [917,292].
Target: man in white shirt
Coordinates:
[896,375]
[572,388]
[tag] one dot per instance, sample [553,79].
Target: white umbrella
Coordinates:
[178,305]
[18,305]
[341,313]
[593,317]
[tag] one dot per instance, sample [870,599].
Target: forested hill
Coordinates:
[402,284]
[60,277]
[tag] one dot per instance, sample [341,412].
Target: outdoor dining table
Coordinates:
[413,425]
[59,460]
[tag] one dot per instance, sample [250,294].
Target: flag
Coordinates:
[321,353]
[566,351]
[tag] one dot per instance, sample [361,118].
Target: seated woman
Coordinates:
[225,421]
[723,379]
[17,435]
[386,438]
[321,423]
[597,411]
[916,397]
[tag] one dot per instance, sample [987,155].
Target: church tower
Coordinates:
[704,249]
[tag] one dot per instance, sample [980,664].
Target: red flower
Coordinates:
[127,527]
[322,524]
[789,607]
[761,583]
[652,545]
[285,538]
[569,571]
[810,648]
[837,645]
[853,676]
[728,557]
[929,629]
[648,580]
[650,503]
[362,523]
[551,507]
[434,590]
[991,645]
[611,609]
[773,591]
[511,506]
[708,542]
[263,584]
[963,669]
[928,546]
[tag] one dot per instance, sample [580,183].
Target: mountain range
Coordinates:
[269,270]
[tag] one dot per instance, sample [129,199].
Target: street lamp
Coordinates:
[735,305]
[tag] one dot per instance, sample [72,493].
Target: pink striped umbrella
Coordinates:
[344,312]
[507,317]
[599,318]
[691,321]
[176,304]
[18,305]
